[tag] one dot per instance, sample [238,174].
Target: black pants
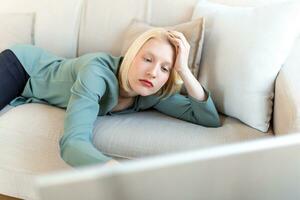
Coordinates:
[13,77]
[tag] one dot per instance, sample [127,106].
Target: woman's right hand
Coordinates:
[111,163]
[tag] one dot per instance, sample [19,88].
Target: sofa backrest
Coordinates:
[246,2]
[70,28]
[103,23]
[56,22]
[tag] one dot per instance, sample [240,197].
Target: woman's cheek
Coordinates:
[167,77]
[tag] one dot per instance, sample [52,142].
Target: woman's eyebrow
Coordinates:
[153,55]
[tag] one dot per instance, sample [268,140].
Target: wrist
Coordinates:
[112,162]
[184,72]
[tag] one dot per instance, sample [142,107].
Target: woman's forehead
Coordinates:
[159,48]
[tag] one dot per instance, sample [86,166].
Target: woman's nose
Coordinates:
[152,72]
[151,75]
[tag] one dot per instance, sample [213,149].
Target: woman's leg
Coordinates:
[13,77]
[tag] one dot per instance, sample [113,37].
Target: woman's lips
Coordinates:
[146,83]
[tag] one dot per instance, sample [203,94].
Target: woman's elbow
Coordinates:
[67,154]
[214,121]
[217,121]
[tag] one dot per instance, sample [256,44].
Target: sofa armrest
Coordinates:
[286,116]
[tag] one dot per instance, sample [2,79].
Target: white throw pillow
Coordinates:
[244,49]
[16,29]
[246,2]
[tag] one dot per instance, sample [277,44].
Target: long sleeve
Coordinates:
[190,109]
[76,145]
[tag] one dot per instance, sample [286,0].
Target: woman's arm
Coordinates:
[76,144]
[198,106]
[189,109]
[192,85]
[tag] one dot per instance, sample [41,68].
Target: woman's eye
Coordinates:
[147,59]
[165,69]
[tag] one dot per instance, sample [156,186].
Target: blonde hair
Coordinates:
[174,82]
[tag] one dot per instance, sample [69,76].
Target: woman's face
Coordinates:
[151,67]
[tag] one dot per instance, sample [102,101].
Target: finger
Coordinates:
[177,34]
[180,36]
[179,48]
[175,37]
[174,40]
[175,44]
[178,43]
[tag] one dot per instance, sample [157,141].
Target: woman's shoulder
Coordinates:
[21,46]
[101,60]
[102,57]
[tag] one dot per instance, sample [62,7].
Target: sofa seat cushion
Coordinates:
[149,133]
[30,133]
[39,128]
[29,146]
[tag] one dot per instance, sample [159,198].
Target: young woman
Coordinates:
[149,75]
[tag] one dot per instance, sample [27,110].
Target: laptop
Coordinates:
[263,169]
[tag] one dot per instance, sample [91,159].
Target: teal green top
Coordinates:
[87,87]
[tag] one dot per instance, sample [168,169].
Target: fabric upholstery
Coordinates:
[240,59]
[56,22]
[5,109]
[102,28]
[29,146]
[152,133]
[103,23]
[287,97]
[247,2]
[16,28]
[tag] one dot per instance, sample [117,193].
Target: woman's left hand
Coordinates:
[182,50]
[192,85]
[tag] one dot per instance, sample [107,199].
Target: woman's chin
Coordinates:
[144,92]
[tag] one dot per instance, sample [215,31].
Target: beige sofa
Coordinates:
[29,134]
